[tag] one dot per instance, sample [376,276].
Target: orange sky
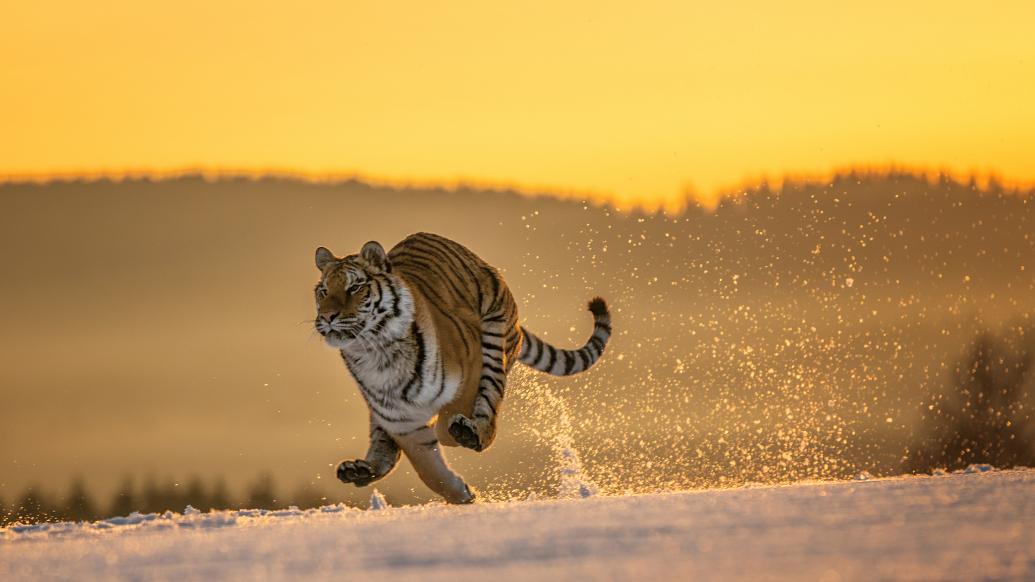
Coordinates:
[637,101]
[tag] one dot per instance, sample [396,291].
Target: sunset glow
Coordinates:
[635,103]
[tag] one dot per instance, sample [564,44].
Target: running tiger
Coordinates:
[429,331]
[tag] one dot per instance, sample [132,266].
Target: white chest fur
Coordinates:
[404,382]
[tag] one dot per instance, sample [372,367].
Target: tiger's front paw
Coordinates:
[465,433]
[469,496]
[358,472]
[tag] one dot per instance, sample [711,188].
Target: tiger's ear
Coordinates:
[324,257]
[374,254]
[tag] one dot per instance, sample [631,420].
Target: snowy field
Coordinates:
[978,526]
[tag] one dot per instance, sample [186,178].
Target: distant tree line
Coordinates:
[78,504]
[987,415]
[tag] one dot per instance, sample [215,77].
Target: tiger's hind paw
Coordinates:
[465,433]
[358,472]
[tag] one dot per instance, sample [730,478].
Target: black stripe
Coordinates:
[436,265]
[434,249]
[495,382]
[375,406]
[395,298]
[486,399]
[578,361]
[487,346]
[538,343]
[569,362]
[442,276]
[378,409]
[604,326]
[591,352]
[553,357]
[380,291]
[451,249]
[492,334]
[441,378]
[444,248]
[447,313]
[493,367]
[425,253]
[496,295]
[418,368]
[379,327]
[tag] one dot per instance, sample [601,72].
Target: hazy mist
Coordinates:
[160,329]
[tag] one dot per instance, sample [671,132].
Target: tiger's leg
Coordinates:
[425,454]
[382,456]
[478,431]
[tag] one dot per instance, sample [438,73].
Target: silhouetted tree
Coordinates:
[124,501]
[220,498]
[262,494]
[153,500]
[306,496]
[33,507]
[79,506]
[195,495]
[160,498]
[175,499]
[987,415]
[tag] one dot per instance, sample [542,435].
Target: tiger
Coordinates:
[429,332]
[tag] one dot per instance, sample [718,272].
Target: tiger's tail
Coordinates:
[546,358]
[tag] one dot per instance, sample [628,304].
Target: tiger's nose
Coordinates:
[328,317]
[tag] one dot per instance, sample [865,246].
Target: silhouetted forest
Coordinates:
[77,503]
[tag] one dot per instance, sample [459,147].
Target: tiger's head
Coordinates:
[348,296]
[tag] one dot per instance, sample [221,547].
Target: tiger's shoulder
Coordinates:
[432,244]
[443,271]
[425,251]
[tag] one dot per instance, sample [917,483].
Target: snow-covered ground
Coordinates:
[961,527]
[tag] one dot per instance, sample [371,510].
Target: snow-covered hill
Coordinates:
[961,526]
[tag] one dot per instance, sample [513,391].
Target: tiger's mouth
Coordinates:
[337,339]
[336,333]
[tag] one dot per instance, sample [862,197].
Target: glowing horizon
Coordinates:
[710,201]
[639,106]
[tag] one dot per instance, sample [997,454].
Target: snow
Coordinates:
[962,526]
[377,501]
